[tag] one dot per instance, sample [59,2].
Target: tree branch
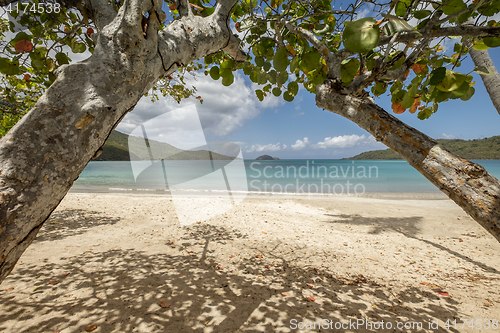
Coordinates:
[102,13]
[466,183]
[461,30]
[323,50]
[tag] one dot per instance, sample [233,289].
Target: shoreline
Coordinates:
[158,192]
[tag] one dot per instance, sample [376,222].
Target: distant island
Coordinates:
[117,147]
[477,149]
[267,158]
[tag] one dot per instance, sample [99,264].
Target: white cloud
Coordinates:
[448,136]
[300,144]
[339,142]
[344,141]
[363,13]
[269,147]
[224,109]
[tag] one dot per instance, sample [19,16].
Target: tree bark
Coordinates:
[42,155]
[466,183]
[491,82]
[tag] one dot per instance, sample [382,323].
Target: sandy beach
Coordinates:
[122,263]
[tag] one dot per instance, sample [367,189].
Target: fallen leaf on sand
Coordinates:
[267,267]
[425,283]
[488,303]
[164,305]
[443,293]
[219,268]
[311,299]
[231,256]
[259,256]
[285,294]
[310,285]
[90,328]
[53,281]
[460,240]
[9,288]
[66,274]
[265,233]
[190,251]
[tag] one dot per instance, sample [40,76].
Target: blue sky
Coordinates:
[273,127]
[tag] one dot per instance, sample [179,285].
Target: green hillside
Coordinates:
[116,148]
[478,149]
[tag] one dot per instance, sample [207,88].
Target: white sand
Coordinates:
[112,261]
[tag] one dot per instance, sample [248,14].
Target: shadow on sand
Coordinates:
[121,290]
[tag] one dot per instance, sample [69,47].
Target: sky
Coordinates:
[299,129]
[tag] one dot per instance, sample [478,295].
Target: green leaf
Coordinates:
[398,63]
[281,77]
[395,26]
[228,79]
[293,88]
[362,35]
[451,81]
[468,94]
[21,36]
[480,46]
[483,70]
[259,61]
[348,69]
[407,100]
[247,70]
[490,9]
[462,90]
[62,58]
[267,66]
[262,78]
[401,7]
[421,14]
[437,76]
[207,11]
[276,91]
[214,73]
[8,67]
[294,65]
[427,112]
[287,96]
[227,64]
[51,64]
[379,88]
[309,61]
[260,95]
[246,24]
[280,60]
[208,60]
[452,6]
[491,41]
[78,47]
[321,29]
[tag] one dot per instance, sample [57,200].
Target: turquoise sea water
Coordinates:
[281,176]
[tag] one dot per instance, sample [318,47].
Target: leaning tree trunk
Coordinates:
[491,82]
[42,155]
[466,183]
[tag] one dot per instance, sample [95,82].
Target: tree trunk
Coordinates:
[491,82]
[466,183]
[42,155]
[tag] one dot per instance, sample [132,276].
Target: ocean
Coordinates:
[312,177]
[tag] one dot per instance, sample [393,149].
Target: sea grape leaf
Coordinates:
[362,35]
